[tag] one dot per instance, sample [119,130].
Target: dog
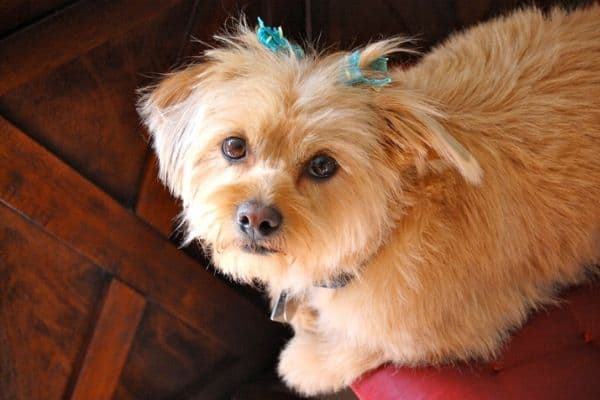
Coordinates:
[413,216]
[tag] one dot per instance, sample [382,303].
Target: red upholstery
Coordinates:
[556,355]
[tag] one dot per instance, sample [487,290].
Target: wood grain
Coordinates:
[18,13]
[109,346]
[66,35]
[77,212]
[211,15]
[355,23]
[48,299]
[84,109]
[169,359]
[154,204]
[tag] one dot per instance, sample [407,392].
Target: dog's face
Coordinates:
[288,176]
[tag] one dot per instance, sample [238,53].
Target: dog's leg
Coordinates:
[313,365]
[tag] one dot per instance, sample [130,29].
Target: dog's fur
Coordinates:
[468,189]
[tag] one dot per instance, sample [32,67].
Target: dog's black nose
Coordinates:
[258,221]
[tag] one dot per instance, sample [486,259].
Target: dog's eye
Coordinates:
[321,167]
[234,148]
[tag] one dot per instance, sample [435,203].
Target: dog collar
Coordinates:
[285,307]
[336,283]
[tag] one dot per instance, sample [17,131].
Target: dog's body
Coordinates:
[468,190]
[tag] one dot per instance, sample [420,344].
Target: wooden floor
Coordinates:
[96,300]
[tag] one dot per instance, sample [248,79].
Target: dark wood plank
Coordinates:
[110,343]
[353,23]
[17,13]
[267,386]
[350,24]
[211,15]
[169,359]
[74,210]
[155,205]
[290,15]
[48,299]
[84,110]
[69,34]
[271,387]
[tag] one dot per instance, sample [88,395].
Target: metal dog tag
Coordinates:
[284,309]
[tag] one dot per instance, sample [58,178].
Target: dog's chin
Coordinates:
[251,263]
[257,249]
[270,266]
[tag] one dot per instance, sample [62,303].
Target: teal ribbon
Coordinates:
[354,75]
[272,38]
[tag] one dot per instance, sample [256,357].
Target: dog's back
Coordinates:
[522,94]
[524,98]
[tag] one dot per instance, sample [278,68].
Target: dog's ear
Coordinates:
[415,124]
[411,122]
[162,109]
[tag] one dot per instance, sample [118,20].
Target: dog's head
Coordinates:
[287,173]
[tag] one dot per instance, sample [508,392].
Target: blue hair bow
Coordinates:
[354,75]
[273,39]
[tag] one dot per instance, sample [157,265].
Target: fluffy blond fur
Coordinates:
[468,189]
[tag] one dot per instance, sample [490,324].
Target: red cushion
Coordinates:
[556,355]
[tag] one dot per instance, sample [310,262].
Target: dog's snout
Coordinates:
[257,220]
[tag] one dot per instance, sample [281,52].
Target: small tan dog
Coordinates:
[415,222]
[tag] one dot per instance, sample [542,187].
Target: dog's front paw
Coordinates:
[305,368]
